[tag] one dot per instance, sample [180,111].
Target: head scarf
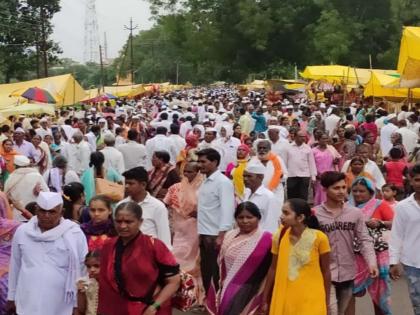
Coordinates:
[238,172]
[245,148]
[192,141]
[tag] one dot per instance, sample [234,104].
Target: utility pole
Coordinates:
[44,48]
[102,67]
[177,72]
[131,28]
[105,48]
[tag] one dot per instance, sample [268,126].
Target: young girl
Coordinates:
[88,288]
[300,265]
[100,227]
[389,192]
[395,170]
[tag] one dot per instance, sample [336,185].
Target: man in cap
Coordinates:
[48,256]
[43,130]
[386,133]
[22,146]
[256,193]
[24,184]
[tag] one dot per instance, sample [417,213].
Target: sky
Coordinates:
[112,15]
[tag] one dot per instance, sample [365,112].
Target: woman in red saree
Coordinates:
[138,275]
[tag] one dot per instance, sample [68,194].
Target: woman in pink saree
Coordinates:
[244,260]
[325,161]
[181,200]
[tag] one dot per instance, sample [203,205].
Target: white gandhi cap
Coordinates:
[255,168]
[49,200]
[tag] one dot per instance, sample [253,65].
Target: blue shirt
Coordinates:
[260,123]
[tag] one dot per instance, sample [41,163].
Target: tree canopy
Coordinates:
[208,40]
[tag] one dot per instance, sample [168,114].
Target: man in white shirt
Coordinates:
[155,215]
[216,205]
[178,141]
[409,138]
[405,240]
[93,136]
[386,132]
[133,152]
[332,121]
[78,154]
[263,198]
[113,158]
[209,139]
[160,142]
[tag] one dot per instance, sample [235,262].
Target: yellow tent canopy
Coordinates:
[64,88]
[341,74]
[28,109]
[382,85]
[137,91]
[409,59]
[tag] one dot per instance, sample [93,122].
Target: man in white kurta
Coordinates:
[47,258]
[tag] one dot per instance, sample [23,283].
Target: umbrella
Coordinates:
[39,95]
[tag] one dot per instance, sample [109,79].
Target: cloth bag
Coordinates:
[113,191]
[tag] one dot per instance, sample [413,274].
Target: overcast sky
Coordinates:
[112,16]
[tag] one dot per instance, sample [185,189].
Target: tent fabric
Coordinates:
[28,109]
[339,74]
[382,85]
[409,59]
[64,88]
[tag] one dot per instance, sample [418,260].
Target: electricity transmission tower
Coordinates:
[91,49]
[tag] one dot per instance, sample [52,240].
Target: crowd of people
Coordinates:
[282,208]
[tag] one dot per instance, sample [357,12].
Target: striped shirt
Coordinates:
[341,231]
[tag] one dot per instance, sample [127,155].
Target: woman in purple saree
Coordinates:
[244,261]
